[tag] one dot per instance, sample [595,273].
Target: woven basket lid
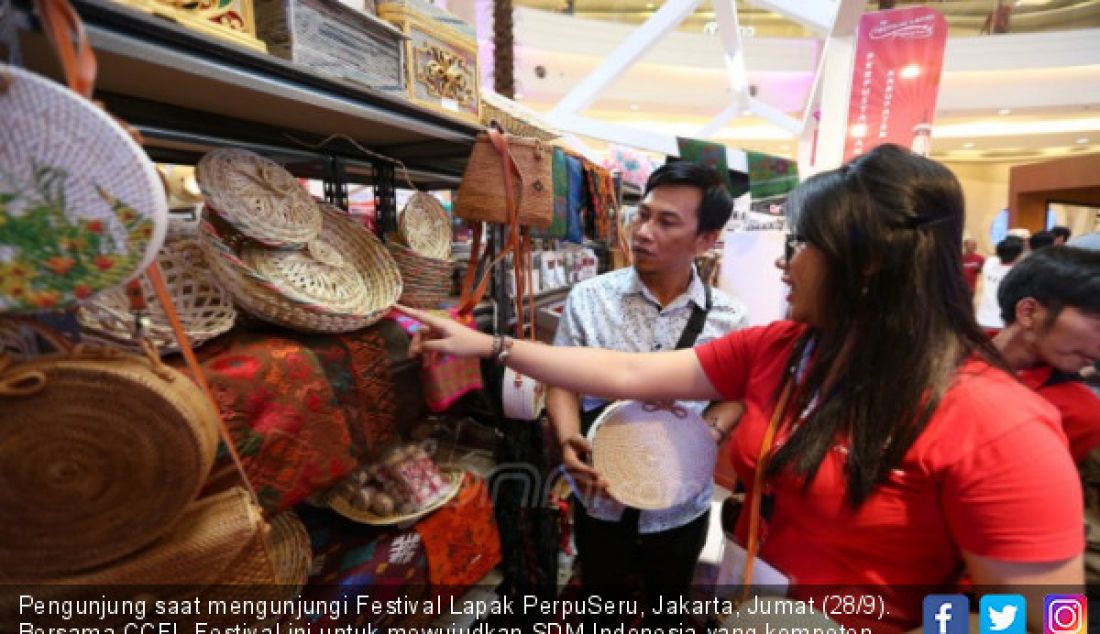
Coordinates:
[82,208]
[317,274]
[99,459]
[425,226]
[653,458]
[258,197]
[205,310]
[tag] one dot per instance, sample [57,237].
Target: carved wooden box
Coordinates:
[231,20]
[440,57]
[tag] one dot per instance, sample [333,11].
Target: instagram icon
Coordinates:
[1065,614]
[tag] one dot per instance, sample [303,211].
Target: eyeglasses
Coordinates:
[792,245]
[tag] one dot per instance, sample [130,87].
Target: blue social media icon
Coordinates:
[1003,614]
[946,614]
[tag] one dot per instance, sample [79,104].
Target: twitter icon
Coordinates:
[1003,614]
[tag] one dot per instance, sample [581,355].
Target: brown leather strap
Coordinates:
[66,34]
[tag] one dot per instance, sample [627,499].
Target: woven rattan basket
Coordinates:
[258,197]
[342,281]
[427,281]
[514,118]
[425,226]
[101,451]
[338,501]
[220,549]
[653,457]
[205,310]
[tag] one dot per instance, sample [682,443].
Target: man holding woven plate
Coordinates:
[658,303]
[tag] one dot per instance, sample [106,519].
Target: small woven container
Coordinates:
[653,458]
[338,501]
[258,197]
[514,118]
[425,226]
[427,281]
[344,280]
[101,451]
[205,310]
[291,551]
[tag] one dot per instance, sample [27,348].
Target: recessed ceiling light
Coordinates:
[858,131]
[910,71]
[635,107]
[968,145]
[1083,140]
[1004,111]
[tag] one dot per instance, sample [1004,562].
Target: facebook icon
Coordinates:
[946,614]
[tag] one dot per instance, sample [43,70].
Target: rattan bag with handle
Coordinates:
[480,196]
[101,451]
[205,309]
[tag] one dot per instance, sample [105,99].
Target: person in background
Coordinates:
[972,263]
[988,310]
[1040,240]
[1050,303]
[1061,235]
[890,447]
[660,303]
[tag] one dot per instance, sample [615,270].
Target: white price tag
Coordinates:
[449,104]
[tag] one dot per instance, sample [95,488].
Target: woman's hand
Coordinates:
[446,336]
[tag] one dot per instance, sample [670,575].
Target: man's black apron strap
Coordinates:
[688,337]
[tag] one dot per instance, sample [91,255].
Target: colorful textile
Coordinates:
[447,378]
[461,538]
[560,181]
[713,155]
[601,192]
[771,175]
[576,200]
[284,418]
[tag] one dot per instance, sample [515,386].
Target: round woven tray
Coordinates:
[652,458]
[337,501]
[258,197]
[344,281]
[427,281]
[425,226]
[82,209]
[205,310]
[98,461]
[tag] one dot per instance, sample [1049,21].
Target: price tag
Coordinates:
[449,104]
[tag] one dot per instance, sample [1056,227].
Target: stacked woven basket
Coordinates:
[422,250]
[283,257]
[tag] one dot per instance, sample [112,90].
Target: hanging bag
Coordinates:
[479,196]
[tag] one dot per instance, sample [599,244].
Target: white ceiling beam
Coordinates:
[729,33]
[730,112]
[775,116]
[638,138]
[667,18]
[815,14]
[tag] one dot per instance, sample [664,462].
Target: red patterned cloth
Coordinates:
[284,418]
[448,378]
[461,539]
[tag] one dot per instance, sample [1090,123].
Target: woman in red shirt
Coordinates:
[905,456]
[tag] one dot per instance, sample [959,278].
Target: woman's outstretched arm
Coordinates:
[674,375]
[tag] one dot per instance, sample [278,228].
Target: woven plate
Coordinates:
[258,197]
[337,502]
[99,461]
[205,310]
[82,208]
[291,297]
[425,226]
[652,459]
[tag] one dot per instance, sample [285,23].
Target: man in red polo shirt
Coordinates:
[972,263]
[1050,303]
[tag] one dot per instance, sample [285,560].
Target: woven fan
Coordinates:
[654,458]
[258,197]
[425,226]
[205,310]
[82,208]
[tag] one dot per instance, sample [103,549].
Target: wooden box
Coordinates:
[231,20]
[440,57]
[334,39]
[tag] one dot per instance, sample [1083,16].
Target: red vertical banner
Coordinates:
[895,79]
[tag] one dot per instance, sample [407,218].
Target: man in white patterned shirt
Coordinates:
[648,307]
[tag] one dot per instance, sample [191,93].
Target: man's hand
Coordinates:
[576,455]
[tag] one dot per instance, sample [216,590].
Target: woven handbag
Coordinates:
[480,196]
[102,450]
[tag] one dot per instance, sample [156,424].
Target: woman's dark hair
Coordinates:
[897,318]
[1056,277]
[1009,249]
[717,205]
